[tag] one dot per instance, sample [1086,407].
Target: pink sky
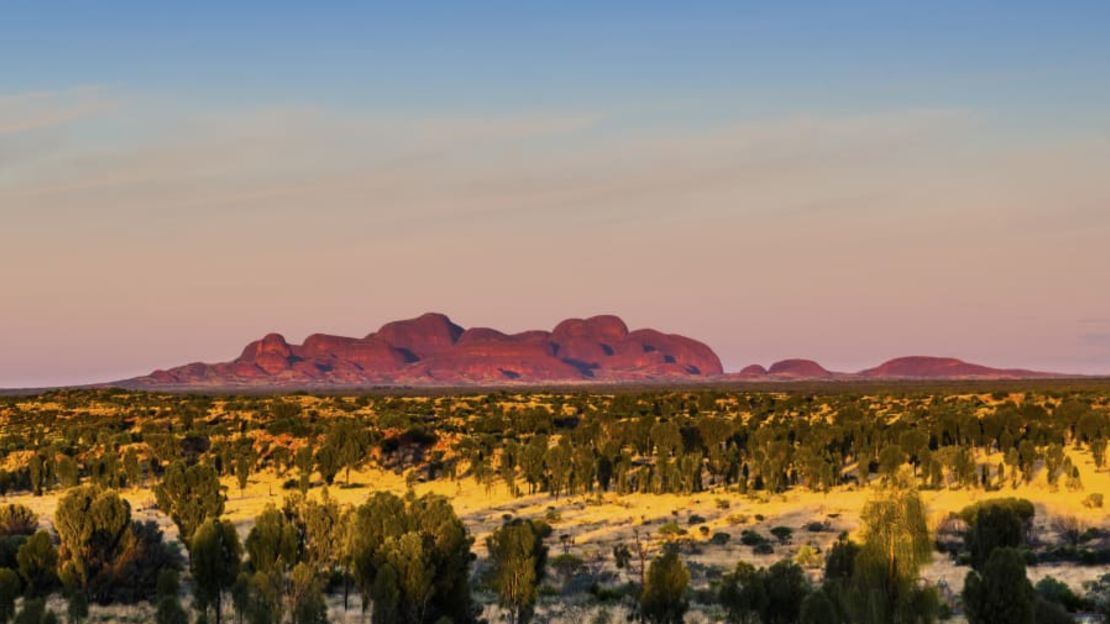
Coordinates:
[134,240]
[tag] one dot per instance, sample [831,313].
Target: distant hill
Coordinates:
[431,350]
[923,367]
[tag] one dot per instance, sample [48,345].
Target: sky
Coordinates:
[847,181]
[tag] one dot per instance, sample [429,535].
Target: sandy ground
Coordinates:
[589,526]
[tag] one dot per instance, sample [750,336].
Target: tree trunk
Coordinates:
[346,587]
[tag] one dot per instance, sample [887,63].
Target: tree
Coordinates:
[273,543]
[243,463]
[103,552]
[765,596]
[518,559]
[663,600]
[818,608]
[1069,528]
[415,573]
[895,545]
[132,468]
[891,459]
[351,442]
[322,528]
[1000,593]
[77,607]
[189,495]
[743,594]
[215,557]
[67,471]
[305,463]
[93,525]
[998,523]
[787,586]
[169,611]
[558,463]
[306,596]
[38,474]
[10,587]
[328,463]
[379,547]
[38,564]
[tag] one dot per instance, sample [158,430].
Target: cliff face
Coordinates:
[432,350]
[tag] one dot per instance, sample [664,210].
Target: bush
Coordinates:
[566,565]
[38,564]
[1093,500]
[671,529]
[663,600]
[994,524]
[1058,592]
[764,548]
[720,539]
[9,591]
[604,594]
[17,520]
[751,538]
[782,534]
[1000,591]
[808,557]
[1050,613]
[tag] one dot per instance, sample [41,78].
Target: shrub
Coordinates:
[9,591]
[1000,592]
[808,557]
[764,548]
[566,565]
[38,563]
[751,538]
[663,600]
[1053,590]
[1093,500]
[671,529]
[105,553]
[782,534]
[17,520]
[720,539]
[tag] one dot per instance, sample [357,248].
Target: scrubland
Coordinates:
[718,477]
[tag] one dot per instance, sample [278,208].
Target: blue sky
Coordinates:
[847,181]
[1032,56]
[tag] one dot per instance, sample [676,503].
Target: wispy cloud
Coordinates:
[1100,340]
[25,112]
